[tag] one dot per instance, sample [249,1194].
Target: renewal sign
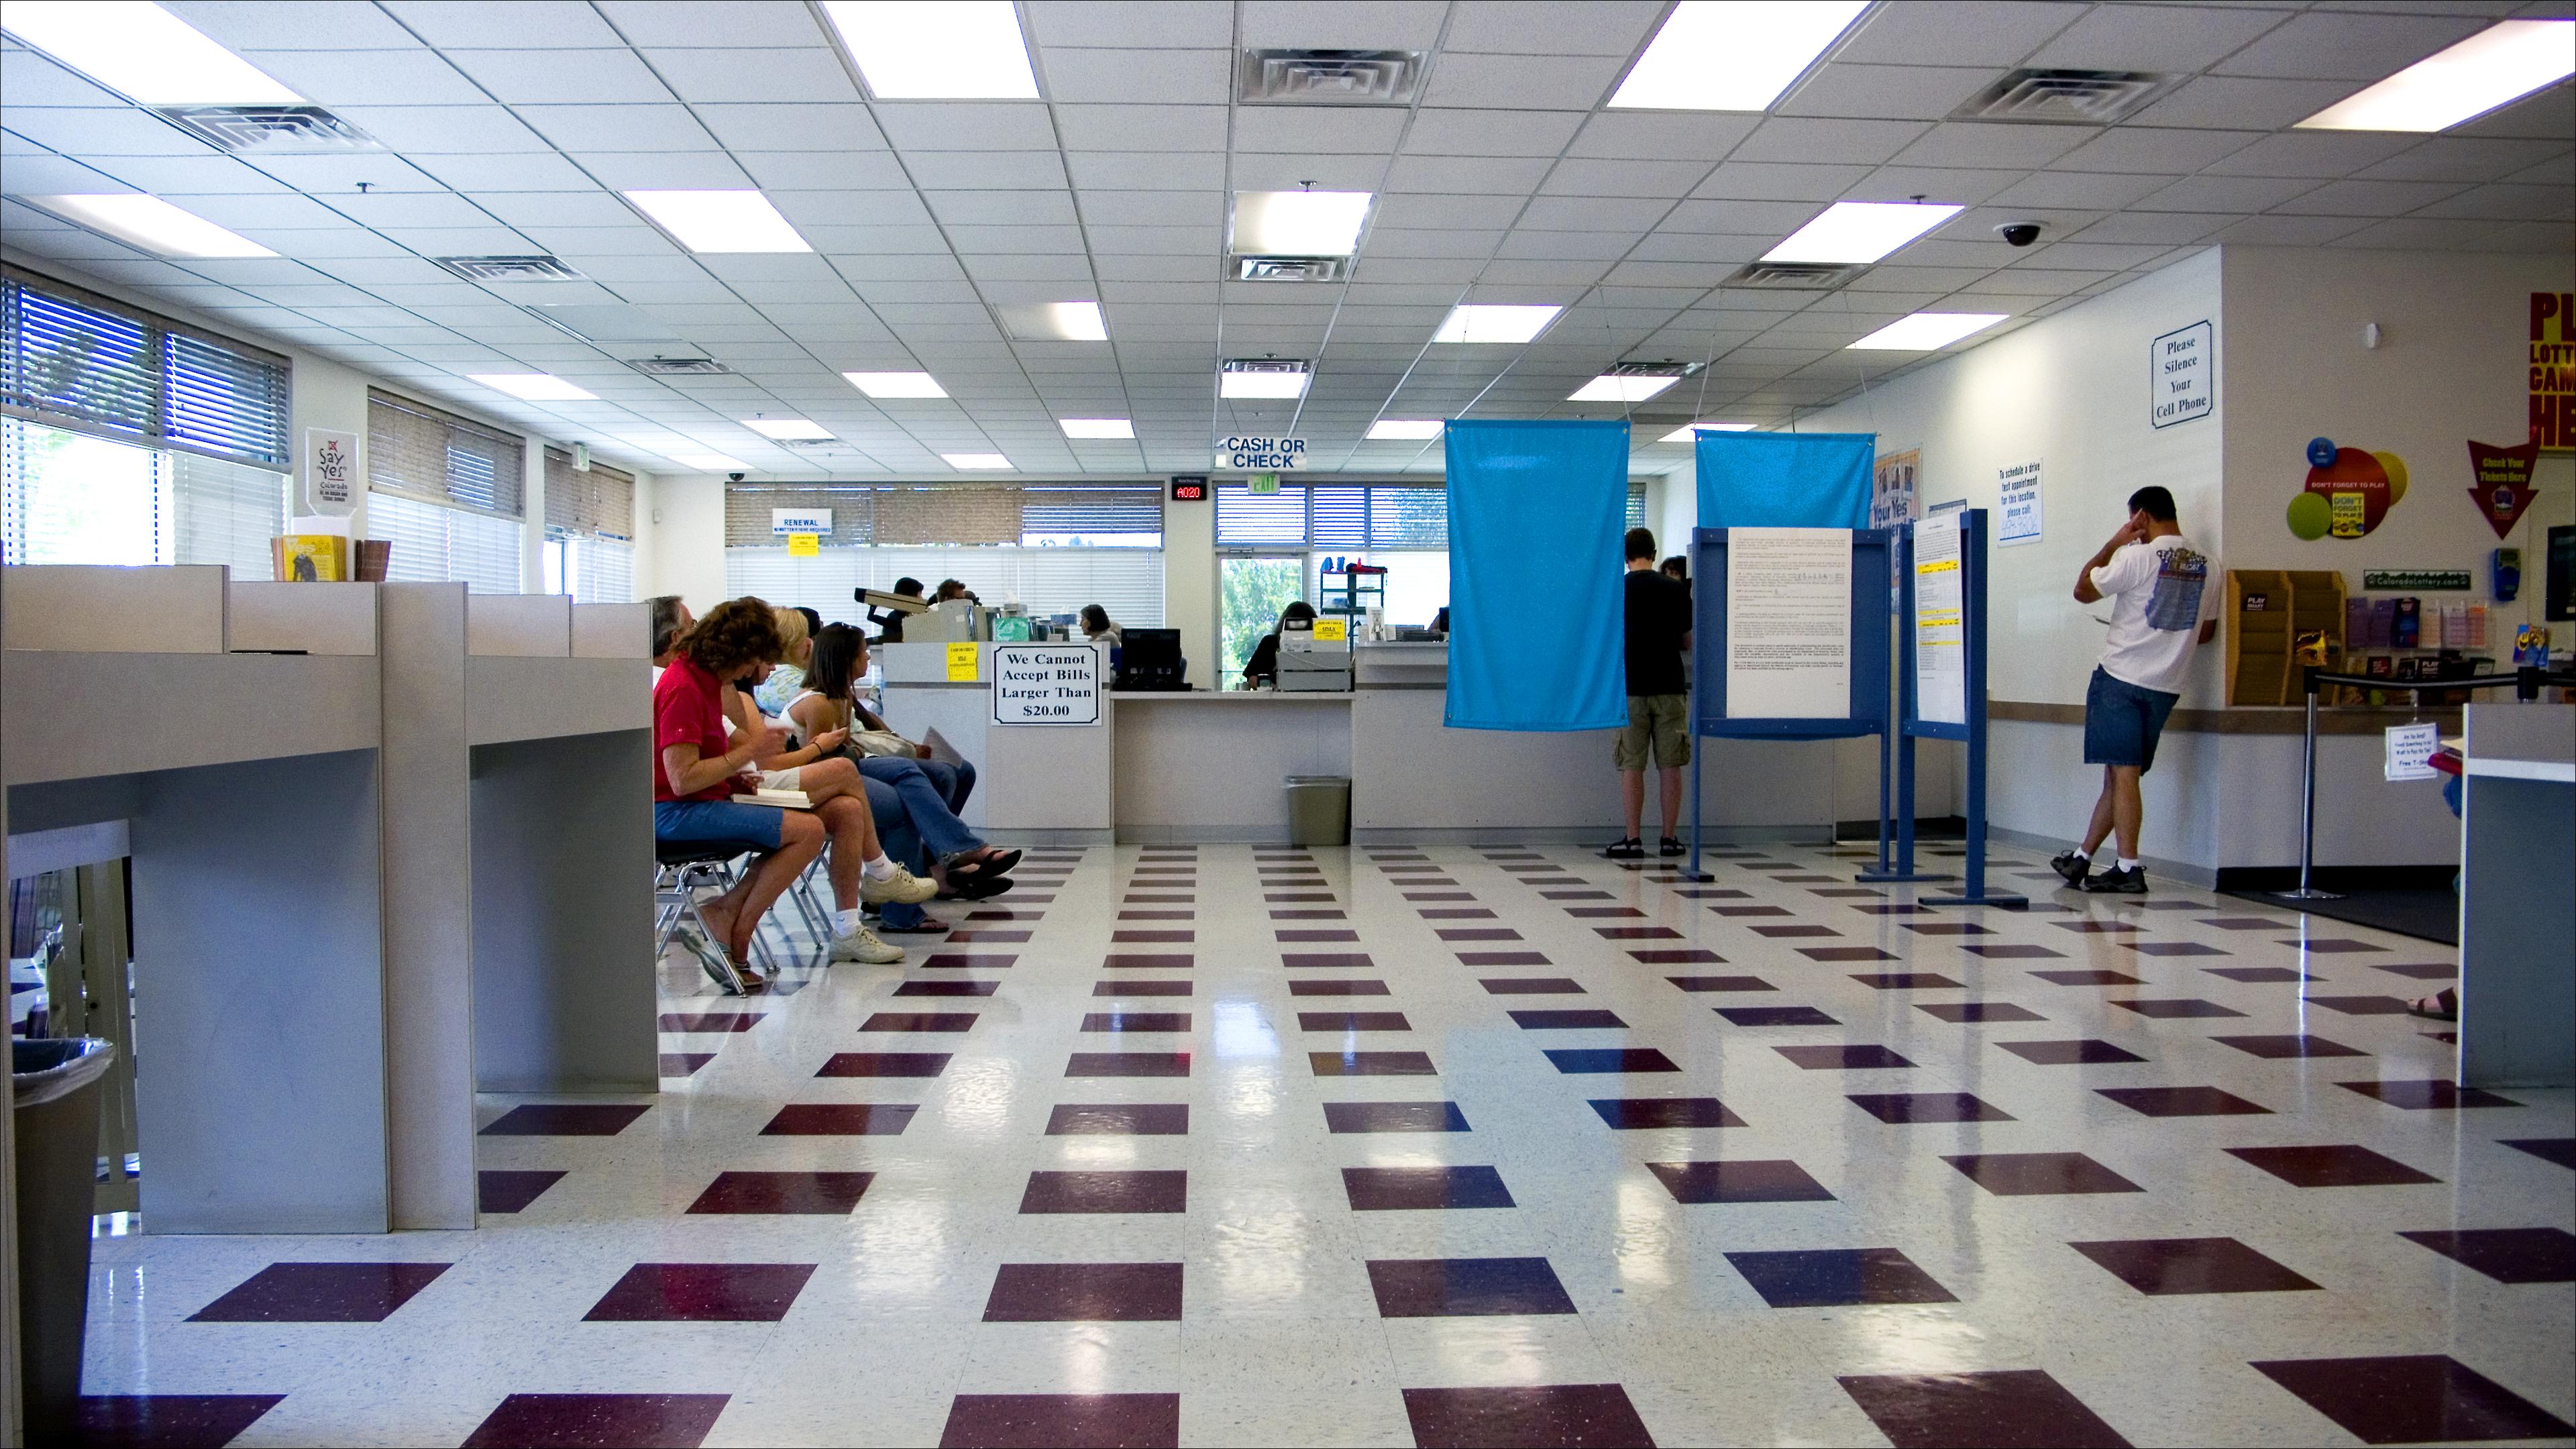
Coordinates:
[1046,684]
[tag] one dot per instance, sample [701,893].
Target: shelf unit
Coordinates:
[2262,654]
[1359,591]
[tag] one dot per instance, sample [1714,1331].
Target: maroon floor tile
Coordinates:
[1147,961]
[1124,1191]
[884,1064]
[1167,898]
[1352,1021]
[1712,895]
[1845,893]
[948,988]
[1062,1421]
[967,960]
[841,1119]
[1085,1293]
[1313,937]
[2253,975]
[1324,960]
[1589,1061]
[780,1193]
[597,1119]
[1846,953]
[1738,1181]
[1532,986]
[1721,983]
[1150,938]
[1632,1114]
[1454,913]
[1893,908]
[2412,1399]
[1567,1020]
[599,1421]
[1794,933]
[1465,1287]
[1843,1058]
[1675,956]
[1005,938]
[1583,895]
[702,1293]
[1119,1119]
[2331,947]
[2069,1053]
[2335,1165]
[2039,1174]
[1158,914]
[2191,1265]
[2089,978]
[1371,1064]
[1605,913]
[2244,923]
[321,1293]
[934,1022]
[2421,970]
[2182,1102]
[2360,1005]
[1928,1107]
[1838,1277]
[710,1021]
[2288,1046]
[1328,986]
[1356,1117]
[1909,981]
[1969,1011]
[1479,933]
[2012,951]
[497,1191]
[165,1421]
[1397,1189]
[1998,1409]
[1137,1020]
[1439,895]
[1749,910]
[2176,1009]
[1543,1416]
[2561,1150]
[2098,928]
[2438,1095]
[2173,948]
[1503,958]
[1128,1064]
[681,1064]
[2508,1255]
[1776,1016]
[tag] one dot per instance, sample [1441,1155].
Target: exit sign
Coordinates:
[1190,488]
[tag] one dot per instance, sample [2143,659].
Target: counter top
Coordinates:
[1231,696]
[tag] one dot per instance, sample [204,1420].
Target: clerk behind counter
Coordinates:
[1263,667]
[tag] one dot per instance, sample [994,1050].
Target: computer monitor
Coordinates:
[1151,659]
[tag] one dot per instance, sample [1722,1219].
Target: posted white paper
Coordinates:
[2410,751]
[2017,503]
[1940,638]
[1046,684]
[1788,623]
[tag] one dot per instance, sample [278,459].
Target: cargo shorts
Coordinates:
[1658,724]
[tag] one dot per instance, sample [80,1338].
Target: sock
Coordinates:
[879,868]
[846,923]
[2127,864]
[2080,853]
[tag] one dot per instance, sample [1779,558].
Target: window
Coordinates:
[73,498]
[84,364]
[590,531]
[448,492]
[432,543]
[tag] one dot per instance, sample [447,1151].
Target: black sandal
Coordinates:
[1631,848]
[2446,1002]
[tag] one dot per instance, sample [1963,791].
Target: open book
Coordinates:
[789,799]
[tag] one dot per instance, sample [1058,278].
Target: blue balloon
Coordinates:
[2321,452]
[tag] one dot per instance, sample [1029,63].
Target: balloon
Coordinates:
[2395,468]
[2311,515]
[2321,452]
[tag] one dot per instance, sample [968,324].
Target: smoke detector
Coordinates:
[1331,77]
[268,130]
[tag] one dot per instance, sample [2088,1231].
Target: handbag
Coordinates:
[881,742]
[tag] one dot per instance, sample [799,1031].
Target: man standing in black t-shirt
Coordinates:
[1658,698]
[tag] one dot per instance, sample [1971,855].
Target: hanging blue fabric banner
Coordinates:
[1535,613]
[1785,480]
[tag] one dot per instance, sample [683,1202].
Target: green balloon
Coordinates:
[2311,515]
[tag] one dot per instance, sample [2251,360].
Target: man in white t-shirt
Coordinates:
[2164,604]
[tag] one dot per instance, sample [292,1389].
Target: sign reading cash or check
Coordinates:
[786,521]
[1046,684]
[1248,454]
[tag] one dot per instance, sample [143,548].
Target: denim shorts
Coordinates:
[681,822]
[2122,722]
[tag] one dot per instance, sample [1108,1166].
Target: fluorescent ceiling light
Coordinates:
[1078,321]
[707,462]
[1261,384]
[936,50]
[1620,387]
[1298,223]
[152,224]
[144,51]
[533,386]
[1683,434]
[720,221]
[1860,231]
[896,384]
[2502,63]
[1404,430]
[1732,55]
[1488,323]
[1096,427]
[976,460]
[787,429]
[1925,331]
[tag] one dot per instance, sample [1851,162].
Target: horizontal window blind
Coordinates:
[435,456]
[1357,516]
[1636,506]
[433,543]
[76,360]
[903,515]
[603,571]
[227,513]
[1128,582]
[70,497]
[594,500]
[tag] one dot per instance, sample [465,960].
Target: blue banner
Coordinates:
[1536,617]
[1785,480]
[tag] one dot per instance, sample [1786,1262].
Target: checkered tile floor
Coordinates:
[1458,1146]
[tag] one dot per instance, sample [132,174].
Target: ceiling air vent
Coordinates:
[268,130]
[1793,276]
[1263,364]
[510,269]
[2066,97]
[1655,369]
[678,366]
[1331,77]
[1290,269]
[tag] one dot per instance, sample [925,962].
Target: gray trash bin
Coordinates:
[1319,810]
[56,1085]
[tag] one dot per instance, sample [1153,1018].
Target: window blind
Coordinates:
[432,456]
[1636,506]
[1128,582]
[1356,516]
[226,513]
[69,497]
[603,570]
[74,360]
[433,542]
[1122,515]
[580,502]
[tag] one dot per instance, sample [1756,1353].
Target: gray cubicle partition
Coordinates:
[2517,854]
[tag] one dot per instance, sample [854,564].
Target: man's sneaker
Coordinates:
[2072,866]
[1669,848]
[1631,848]
[901,886]
[2117,882]
[863,947]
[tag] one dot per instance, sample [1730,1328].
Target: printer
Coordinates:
[1311,665]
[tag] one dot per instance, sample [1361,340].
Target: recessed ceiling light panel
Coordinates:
[1860,231]
[533,386]
[1925,331]
[1487,322]
[1078,321]
[2498,65]
[143,51]
[717,222]
[1405,430]
[1618,388]
[152,224]
[1262,377]
[1096,427]
[1732,55]
[976,462]
[787,429]
[1298,223]
[1688,432]
[936,50]
[896,384]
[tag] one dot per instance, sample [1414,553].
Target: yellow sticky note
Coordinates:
[961,662]
[804,545]
[1332,631]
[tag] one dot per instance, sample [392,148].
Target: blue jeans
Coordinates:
[934,820]
[954,782]
[901,843]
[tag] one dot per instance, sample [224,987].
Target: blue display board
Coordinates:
[1919,615]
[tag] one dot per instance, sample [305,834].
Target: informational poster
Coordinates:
[2553,370]
[330,471]
[804,545]
[2182,379]
[1892,495]
[1788,623]
[2410,751]
[1940,638]
[961,663]
[2017,503]
[1046,684]
[784,522]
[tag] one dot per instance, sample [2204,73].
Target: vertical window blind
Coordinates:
[73,360]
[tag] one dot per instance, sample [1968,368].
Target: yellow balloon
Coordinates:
[2395,468]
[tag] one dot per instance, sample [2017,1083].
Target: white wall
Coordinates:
[1190,584]
[679,543]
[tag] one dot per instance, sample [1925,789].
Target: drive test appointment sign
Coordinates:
[1046,684]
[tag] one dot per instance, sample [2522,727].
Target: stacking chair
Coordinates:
[687,867]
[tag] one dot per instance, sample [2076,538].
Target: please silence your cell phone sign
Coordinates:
[1046,684]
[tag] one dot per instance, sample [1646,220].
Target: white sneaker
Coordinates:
[863,947]
[901,886]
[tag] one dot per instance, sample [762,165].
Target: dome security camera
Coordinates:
[2019,233]
[733,477]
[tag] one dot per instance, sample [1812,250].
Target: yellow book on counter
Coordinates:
[311,558]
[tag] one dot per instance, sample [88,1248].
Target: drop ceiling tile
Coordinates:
[412,77]
[1150,271]
[985,170]
[562,77]
[2506,203]
[824,170]
[1948,185]
[970,125]
[1654,136]
[2426,234]
[2546,114]
[2085,191]
[1291,171]
[2367,198]
[1181,77]
[662,170]
[1381,25]
[1519,27]
[2090,255]
[1065,239]
[1810,139]
[2319,155]
[2146,149]
[1142,128]
[120,131]
[465,25]
[1978,32]
[1197,241]
[1459,242]
[2348,47]
[1471,174]
[2241,103]
[619,128]
[1734,217]
[849,208]
[1410,211]
[810,74]
[2166,38]
[747,24]
[1992,144]
[556,208]
[1602,246]
[2226,193]
[2473,158]
[543,172]
[575,244]
[1002,208]
[1147,170]
[1522,82]
[769,267]
[470,240]
[245,25]
[1137,208]
[51,175]
[1708,247]
[1178,23]
[2287,231]
[444,130]
[1884,92]
[1370,130]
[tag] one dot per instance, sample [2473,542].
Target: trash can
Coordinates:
[1319,810]
[56,1121]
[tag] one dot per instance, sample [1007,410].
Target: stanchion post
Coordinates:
[2307,890]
